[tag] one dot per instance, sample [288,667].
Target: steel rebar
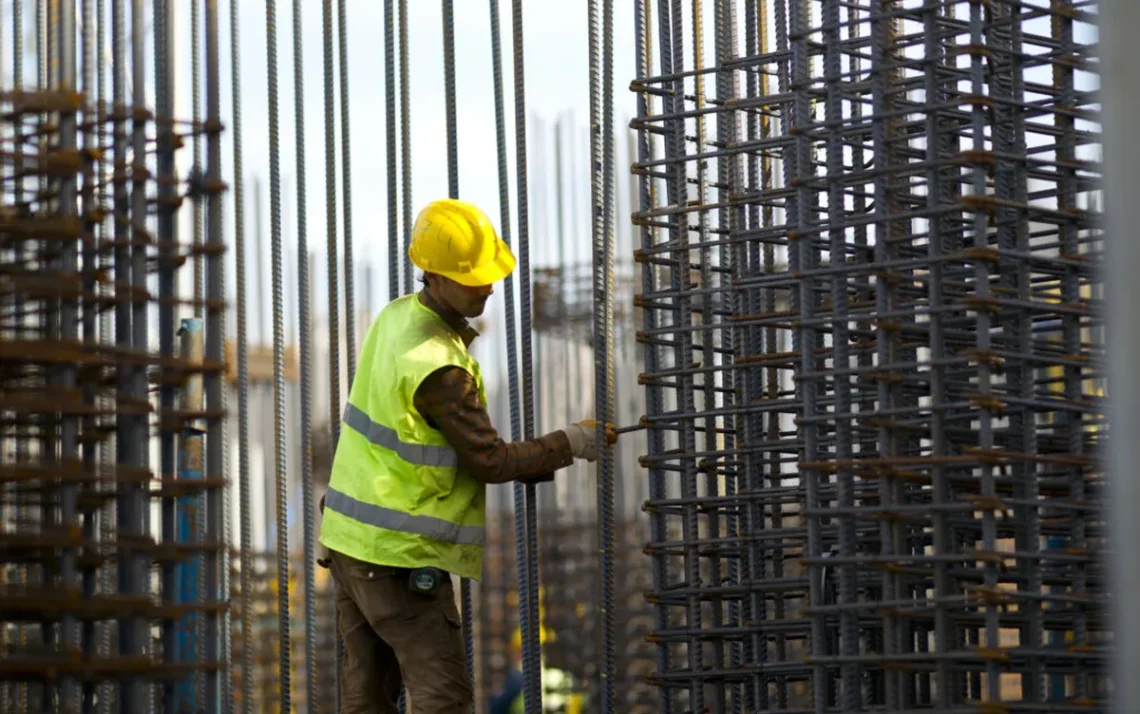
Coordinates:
[394,261]
[875,333]
[281,475]
[304,312]
[245,544]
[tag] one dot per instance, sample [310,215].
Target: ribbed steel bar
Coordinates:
[601,182]
[65,378]
[242,339]
[90,261]
[137,576]
[448,98]
[330,224]
[215,601]
[654,393]
[903,258]
[42,79]
[526,616]
[452,192]
[532,650]
[405,150]
[742,387]
[196,208]
[394,261]
[304,312]
[175,693]
[281,476]
[346,186]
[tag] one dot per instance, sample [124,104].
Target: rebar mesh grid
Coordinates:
[112,545]
[871,318]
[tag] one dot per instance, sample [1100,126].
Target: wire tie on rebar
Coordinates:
[986,401]
[979,204]
[141,114]
[992,596]
[987,502]
[994,653]
[975,157]
[975,356]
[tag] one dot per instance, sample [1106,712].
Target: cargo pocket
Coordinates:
[446,599]
[453,618]
[374,589]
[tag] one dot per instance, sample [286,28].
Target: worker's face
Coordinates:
[464,300]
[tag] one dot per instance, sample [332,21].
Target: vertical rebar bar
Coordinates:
[452,192]
[405,149]
[196,207]
[346,187]
[69,317]
[330,225]
[304,313]
[245,584]
[601,180]
[281,476]
[174,694]
[213,383]
[526,618]
[394,261]
[89,633]
[532,650]
[448,96]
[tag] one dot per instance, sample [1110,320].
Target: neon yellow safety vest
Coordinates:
[397,495]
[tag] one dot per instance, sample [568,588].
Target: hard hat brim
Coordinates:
[502,266]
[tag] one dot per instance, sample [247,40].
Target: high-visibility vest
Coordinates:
[397,495]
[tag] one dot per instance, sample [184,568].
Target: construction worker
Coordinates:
[405,506]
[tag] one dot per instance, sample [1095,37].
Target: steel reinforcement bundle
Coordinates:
[869,253]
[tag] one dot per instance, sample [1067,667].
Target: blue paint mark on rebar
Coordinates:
[188,510]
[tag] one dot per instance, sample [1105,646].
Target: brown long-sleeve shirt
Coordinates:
[449,400]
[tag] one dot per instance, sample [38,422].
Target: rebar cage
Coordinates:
[870,320]
[871,311]
[112,562]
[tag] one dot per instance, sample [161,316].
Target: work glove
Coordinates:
[583,438]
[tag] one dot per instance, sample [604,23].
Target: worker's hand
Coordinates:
[583,438]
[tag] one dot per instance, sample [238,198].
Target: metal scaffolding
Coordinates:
[872,319]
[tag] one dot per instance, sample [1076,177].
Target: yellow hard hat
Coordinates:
[456,240]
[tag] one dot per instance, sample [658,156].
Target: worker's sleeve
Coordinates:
[449,400]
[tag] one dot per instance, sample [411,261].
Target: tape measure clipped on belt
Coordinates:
[426,581]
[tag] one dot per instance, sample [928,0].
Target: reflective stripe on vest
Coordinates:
[382,517]
[380,435]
